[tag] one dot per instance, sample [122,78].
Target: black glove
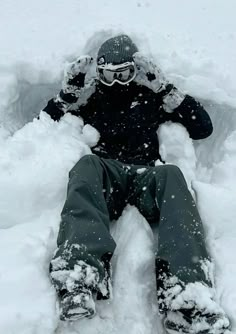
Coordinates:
[74,74]
[152,77]
[148,74]
[74,77]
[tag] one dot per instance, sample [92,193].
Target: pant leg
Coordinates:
[96,193]
[162,194]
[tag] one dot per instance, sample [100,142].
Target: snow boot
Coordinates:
[192,309]
[195,322]
[77,305]
[76,287]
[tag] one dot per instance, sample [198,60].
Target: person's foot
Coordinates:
[196,321]
[192,309]
[78,287]
[192,321]
[77,305]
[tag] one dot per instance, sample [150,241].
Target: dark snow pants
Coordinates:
[98,191]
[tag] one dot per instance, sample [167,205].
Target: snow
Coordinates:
[171,138]
[194,42]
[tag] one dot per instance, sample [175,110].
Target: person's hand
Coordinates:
[75,72]
[151,76]
[148,74]
[144,66]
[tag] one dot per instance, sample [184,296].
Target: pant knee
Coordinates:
[88,158]
[87,163]
[169,170]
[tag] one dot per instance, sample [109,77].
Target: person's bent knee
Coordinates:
[172,169]
[167,170]
[88,159]
[85,162]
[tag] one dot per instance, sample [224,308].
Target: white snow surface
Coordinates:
[194,43]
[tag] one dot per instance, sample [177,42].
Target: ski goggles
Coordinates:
[108,74]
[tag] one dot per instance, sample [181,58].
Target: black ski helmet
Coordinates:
[116,50]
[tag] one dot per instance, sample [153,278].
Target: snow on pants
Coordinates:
[98,191]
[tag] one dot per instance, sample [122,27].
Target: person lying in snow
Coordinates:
[126,102]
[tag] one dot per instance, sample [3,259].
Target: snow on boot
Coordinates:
[75,287]
[192,309]
[194,322]
[77,305]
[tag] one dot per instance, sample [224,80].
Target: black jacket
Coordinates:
[127,118]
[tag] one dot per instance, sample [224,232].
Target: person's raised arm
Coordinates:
[73,82]
[191,114]
[177,106]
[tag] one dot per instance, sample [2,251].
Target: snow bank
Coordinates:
[27,297]
[35,162]
[194,42]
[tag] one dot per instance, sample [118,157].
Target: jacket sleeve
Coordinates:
[177,107]
[184,109]
[58,106]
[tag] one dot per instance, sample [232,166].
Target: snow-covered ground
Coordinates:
[194,42]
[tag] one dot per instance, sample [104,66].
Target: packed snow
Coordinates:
[194,43]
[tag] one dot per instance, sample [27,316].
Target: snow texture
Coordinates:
[82,274]
[194,43]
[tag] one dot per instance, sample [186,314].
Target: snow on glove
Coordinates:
[73,82]
[148,74]
[151,76]
[172,99]
[74,74]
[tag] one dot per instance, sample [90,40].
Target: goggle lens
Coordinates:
[122,74]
